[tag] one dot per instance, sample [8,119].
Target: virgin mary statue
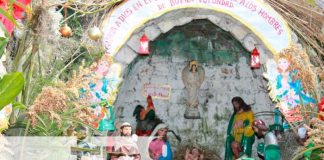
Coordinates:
[193,76]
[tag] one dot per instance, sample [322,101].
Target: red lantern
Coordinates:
[255,59]
[144,45]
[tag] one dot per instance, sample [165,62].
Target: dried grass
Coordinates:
[54,100]
[288,142]
[320,73]
[50,100]
[316,133]
[208,154]
[306,20]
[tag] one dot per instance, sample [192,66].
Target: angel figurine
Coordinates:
[101,93]
[285,87]
[192,77]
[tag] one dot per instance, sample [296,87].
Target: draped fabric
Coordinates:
[245,135]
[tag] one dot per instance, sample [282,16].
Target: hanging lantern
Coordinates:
[144,45]
[66,31]
[94,33]
[255,58]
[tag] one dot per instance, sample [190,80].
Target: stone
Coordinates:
[176,95]
[226,23]
[152,32]
[176,58]
[200,16]
[131,83]
[179,67]
[249,42]
[145,70]
[134,43]
[244,69]
[173,111]
[187,13]
[162,70]
[173,15]
[125,55]
[204,85]
[176,84]
[159,59]
[239,32]
[214,19]
[215,94]
[263,54]
[166,26]
[260,99]
[210,71]
[160,80]
[183,20]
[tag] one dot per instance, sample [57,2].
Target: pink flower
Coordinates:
[17,13]
[290,99]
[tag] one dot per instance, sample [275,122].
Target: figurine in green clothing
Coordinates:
[269,150]
[240,135]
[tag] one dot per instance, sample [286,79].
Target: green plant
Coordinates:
[3,43]
[50,126]
[10,86]
[55,109]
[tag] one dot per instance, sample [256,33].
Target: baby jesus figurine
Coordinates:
[194,154]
